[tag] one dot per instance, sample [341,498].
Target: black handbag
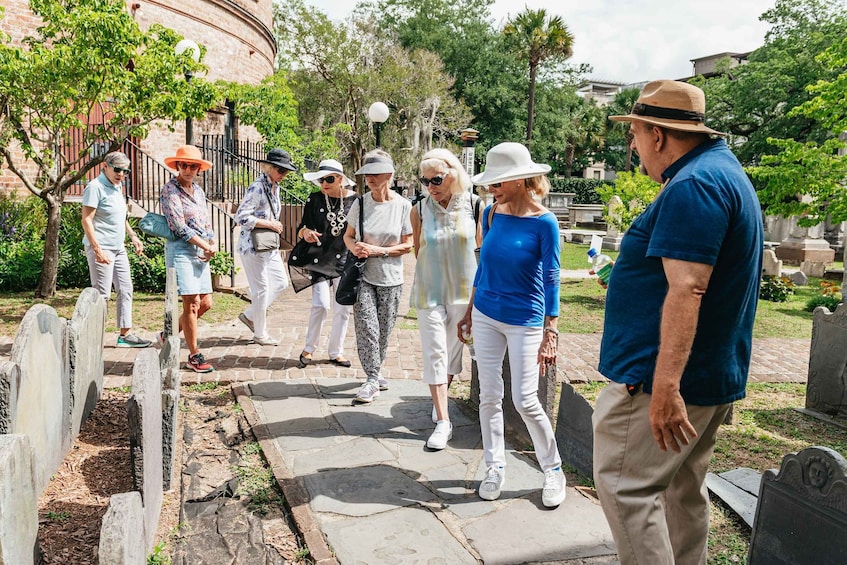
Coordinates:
[350,282]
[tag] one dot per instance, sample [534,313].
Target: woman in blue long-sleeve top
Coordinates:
[515,305]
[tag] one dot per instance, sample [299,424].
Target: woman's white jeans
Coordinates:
[440,344]
[323,298]
[267,278]
[491,338]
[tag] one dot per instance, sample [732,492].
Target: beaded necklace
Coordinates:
[336,218]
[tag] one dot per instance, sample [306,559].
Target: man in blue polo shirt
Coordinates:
[678,330]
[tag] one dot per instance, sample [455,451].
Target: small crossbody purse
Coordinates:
[265,239]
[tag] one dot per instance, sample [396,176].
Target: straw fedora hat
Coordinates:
[509,161]
[670,104]
[188,154]
[326,168]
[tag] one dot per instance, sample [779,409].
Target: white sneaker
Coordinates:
[489,488]
[553,492]
[265,340]
[443,432]
[383,383]
[367,393]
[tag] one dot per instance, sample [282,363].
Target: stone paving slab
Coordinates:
[379,495]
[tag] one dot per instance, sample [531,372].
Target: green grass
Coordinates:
[583,304]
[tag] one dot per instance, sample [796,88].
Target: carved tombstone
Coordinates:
[574,431]
[85,355]
[770,264]
[802,512]
[826,390]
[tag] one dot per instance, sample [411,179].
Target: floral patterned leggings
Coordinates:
[375,314]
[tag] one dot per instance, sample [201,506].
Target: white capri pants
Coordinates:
[440,344]
[267,278]
[491,338]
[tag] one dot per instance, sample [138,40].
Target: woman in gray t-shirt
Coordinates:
[387,237]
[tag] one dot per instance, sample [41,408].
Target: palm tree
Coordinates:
[538,37]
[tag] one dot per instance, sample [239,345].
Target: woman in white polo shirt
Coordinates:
[105,225]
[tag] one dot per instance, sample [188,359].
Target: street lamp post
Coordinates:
[179,49]
[378,113]
[469,137]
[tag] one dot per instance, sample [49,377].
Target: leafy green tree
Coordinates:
[636,192]
[616,151]
[341,68]
[489,79]
[87,55]
[536,38]
[752,101]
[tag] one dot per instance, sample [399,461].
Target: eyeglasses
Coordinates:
[119,170]
[496,184]
[189,166]
[434,180]
[329,179]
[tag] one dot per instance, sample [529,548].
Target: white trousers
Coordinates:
[491,338]
[267,278]
[323,298]
[116,273]
[440,344]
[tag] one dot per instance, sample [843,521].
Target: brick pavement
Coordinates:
[227,347]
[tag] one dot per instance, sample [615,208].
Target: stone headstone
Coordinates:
[43,404]
[171,304]
[122,531]
[18,502]
[574,432]
[169,363]
[826,388]
[85,355]
[799,278]
[144,414]
[801,517]
[511,418]
[771,266]
[170,435]
[813,268]
[10,381]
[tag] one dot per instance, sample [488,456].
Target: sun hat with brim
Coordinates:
[279,158]
[326,168]
[670,104]
[509,161]
[188,154]
[376,165]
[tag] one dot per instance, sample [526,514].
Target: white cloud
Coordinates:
[638,40]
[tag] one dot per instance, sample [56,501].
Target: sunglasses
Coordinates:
[189,166]
[496,184]
[329,179]
[434,181]
[119,170]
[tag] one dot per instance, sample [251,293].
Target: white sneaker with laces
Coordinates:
[489,488]
[442,434]
[553,492]
[367,393]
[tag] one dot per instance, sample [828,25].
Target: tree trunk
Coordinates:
[628,164]
[50,264]
[570,154]
[531,104]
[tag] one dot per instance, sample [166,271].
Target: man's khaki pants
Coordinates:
[656,501]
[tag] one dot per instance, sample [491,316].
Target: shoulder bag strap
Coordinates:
[491,214]
[361,218]
[271,203]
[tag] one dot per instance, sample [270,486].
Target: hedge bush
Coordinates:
[585,189]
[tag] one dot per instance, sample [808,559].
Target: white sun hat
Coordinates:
[326,168]
[509,161]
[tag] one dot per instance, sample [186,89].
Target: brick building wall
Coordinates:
[240,47]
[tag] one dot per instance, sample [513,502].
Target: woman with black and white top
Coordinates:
[387,237]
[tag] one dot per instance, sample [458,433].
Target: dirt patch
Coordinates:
[72,506]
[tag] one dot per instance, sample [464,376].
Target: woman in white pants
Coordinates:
[445,233]
[516,306]
[265,270]
[322,227]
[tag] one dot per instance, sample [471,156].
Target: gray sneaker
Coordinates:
[489,488]
[246,321]
[367,393]
[130,340]
[383,384]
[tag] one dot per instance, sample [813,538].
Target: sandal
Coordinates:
[304,360]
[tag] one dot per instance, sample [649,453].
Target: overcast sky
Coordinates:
[638,40]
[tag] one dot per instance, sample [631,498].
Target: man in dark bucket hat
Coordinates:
[677,336]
